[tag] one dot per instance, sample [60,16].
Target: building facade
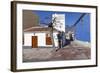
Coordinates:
[59,23]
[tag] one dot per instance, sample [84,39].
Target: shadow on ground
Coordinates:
[70,52]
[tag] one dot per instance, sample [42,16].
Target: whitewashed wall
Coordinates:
[59,23]
[41,39]
[55,39]
[27,39]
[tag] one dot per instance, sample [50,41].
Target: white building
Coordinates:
[40,37]
[59,23]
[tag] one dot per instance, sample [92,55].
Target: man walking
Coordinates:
[59,35]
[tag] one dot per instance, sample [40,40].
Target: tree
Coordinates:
[50,25]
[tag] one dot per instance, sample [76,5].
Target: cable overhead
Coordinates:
[78,20]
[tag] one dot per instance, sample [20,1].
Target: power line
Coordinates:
[79,20]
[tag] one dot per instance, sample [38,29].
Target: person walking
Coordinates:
[59,35]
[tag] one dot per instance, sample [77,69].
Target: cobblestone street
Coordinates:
[70,52]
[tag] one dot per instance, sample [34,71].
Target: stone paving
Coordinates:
[70,52]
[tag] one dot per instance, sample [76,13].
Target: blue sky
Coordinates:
[82,30]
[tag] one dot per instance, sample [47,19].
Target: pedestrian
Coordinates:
[59,35]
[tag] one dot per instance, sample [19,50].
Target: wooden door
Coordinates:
[48,41]
[34,42]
